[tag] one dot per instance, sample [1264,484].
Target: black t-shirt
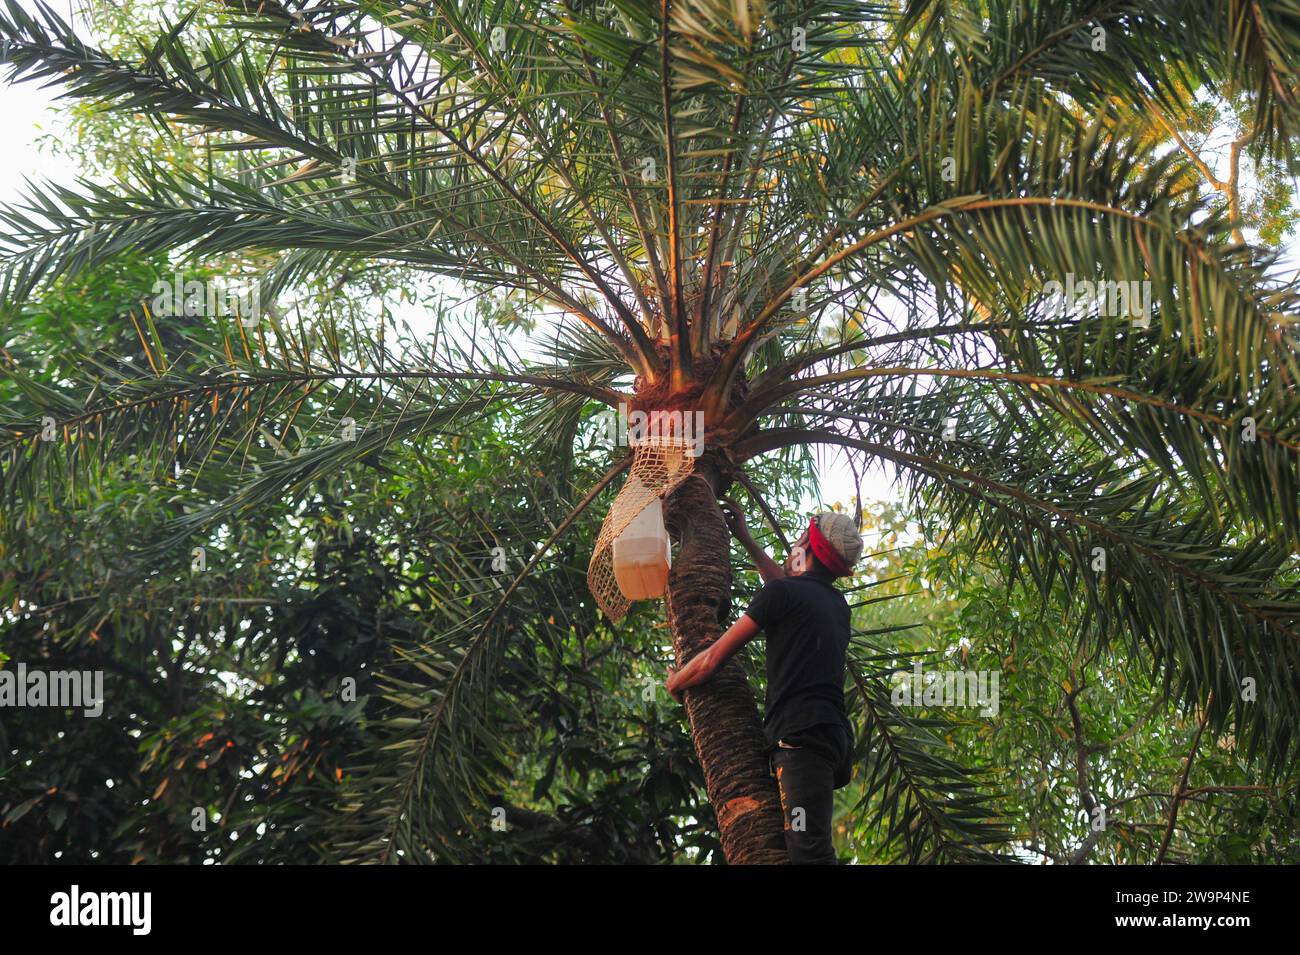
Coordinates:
[807,625]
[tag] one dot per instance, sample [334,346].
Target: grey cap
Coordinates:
[841,533]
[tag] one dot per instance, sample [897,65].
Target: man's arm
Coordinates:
[768,569]
[703,665]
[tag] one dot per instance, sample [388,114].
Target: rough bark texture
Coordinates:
[723,714]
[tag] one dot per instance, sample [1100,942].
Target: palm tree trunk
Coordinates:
[723,715]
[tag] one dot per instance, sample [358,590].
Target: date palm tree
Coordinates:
[828,223]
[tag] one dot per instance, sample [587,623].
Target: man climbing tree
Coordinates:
[806,620]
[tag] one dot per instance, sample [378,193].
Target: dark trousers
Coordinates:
[805,775]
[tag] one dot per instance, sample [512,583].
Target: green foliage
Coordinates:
[839,236]
[969,616]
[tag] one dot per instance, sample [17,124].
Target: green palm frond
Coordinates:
[251,420]
[429,783]
[1144,568]
[927,806]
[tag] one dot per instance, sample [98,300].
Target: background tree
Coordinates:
[815,223]
[953,607]
[229,733]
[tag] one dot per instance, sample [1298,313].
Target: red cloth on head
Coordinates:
[824,552]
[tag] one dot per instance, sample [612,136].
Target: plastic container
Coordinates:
[642,555]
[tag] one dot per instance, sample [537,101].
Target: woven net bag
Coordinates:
[659,465]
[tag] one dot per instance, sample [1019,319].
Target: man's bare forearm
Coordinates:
[705,664]
[768,569]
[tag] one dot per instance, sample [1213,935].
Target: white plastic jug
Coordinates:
[642,555]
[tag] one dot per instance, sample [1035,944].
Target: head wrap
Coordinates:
[836,551]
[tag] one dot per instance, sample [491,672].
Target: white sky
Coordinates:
[24,116]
